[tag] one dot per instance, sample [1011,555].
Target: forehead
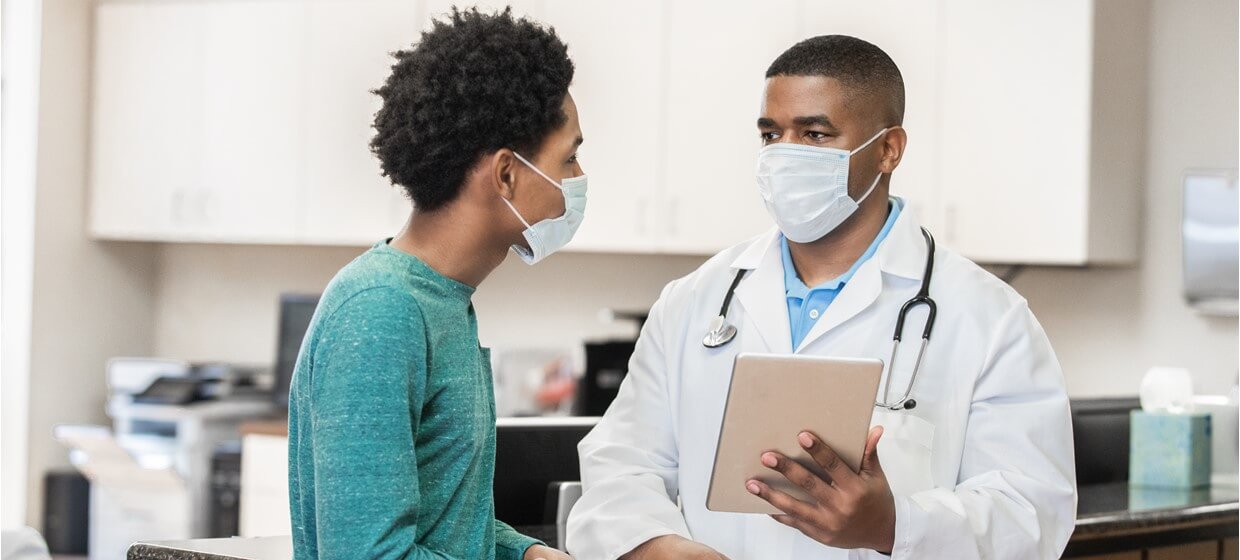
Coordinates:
[787,97]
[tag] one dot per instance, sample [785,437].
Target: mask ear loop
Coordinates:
[880,175]
[538,171]
[509,203]
[863,146]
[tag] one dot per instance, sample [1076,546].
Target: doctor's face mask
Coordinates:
[805,188]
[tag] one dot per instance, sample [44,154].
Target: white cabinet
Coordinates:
[264,509]
[1041,116]
[619,96]
[196,113]
[244,121]
[716,66]
[147,129]
[348,46]
[250,120]
[252,107]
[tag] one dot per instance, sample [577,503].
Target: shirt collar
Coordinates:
[794,287]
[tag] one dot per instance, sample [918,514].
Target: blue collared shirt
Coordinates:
[807,305]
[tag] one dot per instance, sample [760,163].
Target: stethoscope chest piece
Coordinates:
[721,332]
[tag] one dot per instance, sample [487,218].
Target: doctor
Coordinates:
[980,466]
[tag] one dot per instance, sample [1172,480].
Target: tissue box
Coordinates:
[1169,450]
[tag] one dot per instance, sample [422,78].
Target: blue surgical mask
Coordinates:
[552,234]
[806,187]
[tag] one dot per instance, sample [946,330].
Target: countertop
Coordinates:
[1108,515]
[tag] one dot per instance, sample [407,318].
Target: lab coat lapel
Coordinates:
[761,294]
[902,253]
[858,294]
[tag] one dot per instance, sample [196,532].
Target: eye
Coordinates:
[769,136]
[573,158]
[816,136]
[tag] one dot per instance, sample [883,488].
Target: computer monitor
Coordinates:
[530,454]
[296,310]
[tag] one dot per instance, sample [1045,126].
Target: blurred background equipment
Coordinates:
[296,311]
[1211,237]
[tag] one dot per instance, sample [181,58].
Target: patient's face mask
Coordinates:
[552,234]
[805,188]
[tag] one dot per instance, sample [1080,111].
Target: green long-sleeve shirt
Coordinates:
[392,421]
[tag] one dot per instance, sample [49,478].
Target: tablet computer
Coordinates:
[772,399]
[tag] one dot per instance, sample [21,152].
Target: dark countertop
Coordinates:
[1108,515]
[258,548]
[1107,508]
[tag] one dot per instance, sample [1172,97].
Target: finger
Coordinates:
[804,527]
[869,459]
[781,500]
[797,474]
[828,459]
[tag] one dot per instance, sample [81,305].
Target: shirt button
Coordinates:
[813,314]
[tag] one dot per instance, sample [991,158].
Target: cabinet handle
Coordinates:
[178,203]
[643,207]
[672,215]
[950,217]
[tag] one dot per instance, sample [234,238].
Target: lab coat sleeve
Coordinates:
[1016,490]
[629,462]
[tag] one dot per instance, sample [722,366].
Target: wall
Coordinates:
[1109,325]
[219,302]
[90,300]
[20,111]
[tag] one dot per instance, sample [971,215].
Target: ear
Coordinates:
[503,171]
[893,149]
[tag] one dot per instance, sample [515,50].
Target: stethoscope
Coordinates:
[722,332]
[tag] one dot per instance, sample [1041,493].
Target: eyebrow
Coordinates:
[820,120]
[578,141]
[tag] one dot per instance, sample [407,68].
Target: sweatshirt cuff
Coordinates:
[513,547]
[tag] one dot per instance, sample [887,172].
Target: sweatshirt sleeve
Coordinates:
[370,366]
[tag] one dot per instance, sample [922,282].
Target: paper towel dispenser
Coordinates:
[1211,237]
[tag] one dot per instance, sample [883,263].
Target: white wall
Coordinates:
[219,301]
[1110,325]
[90,300]
[19,113]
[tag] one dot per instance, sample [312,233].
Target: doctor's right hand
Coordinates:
[669,547]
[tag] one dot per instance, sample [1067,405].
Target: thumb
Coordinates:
[869,458]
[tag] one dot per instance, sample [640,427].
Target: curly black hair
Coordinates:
[475,83]
[856,63]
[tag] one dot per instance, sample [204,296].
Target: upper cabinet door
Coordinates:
[618,89]
[908,32]
[147,122]
[250,173]
[716,58]
[1016,124]
[348,54]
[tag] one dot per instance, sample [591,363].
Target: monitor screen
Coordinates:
[296,310]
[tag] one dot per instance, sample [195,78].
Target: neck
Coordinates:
[452,243]
[827,258]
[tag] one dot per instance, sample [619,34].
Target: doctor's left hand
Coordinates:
[848,510]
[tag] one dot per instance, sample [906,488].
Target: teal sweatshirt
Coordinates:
[392,421]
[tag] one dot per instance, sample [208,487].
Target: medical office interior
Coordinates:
[182,178]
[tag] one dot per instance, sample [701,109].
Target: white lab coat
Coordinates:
[981,468]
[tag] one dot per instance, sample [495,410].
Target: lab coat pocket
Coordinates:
[905,450]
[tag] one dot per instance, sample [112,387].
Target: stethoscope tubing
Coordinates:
[722,332]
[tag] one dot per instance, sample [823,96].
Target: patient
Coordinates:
[391,408]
